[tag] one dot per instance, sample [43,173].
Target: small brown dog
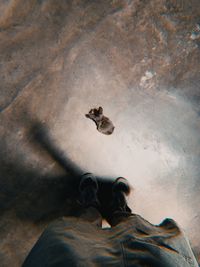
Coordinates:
[104,124]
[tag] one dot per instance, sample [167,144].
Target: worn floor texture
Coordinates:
[140,61]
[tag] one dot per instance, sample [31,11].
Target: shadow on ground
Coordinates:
[41,199]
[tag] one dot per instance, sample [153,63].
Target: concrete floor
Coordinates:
[139,60]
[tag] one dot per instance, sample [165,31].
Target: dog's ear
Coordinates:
[100,110]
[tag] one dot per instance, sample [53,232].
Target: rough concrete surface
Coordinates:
[140,61]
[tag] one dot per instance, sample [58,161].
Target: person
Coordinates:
[130,241]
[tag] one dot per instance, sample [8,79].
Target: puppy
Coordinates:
[104,124]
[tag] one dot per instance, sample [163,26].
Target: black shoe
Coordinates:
[120,190]
[88,189]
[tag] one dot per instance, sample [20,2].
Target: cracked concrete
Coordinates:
[138,60]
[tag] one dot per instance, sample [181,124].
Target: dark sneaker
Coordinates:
[88,189]
[120,190]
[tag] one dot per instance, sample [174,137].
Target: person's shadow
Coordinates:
[47,198]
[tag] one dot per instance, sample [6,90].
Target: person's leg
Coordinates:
[119,210]
[88,200]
